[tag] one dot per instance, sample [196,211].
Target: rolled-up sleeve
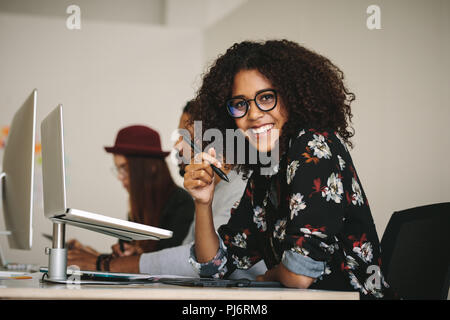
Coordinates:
[300,264]
[216,267]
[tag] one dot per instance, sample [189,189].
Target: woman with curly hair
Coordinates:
[307,217]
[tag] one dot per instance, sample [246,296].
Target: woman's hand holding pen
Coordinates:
[125,249]
[199,177]
[199,182]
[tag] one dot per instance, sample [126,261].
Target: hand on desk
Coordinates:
[82,256]
[85,257]
[125,249]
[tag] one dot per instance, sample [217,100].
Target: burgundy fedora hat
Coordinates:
[138,140]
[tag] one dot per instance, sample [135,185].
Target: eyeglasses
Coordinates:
[120,172]
[265,100]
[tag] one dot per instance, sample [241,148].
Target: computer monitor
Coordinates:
[55,203]
[18,175]
[57,210]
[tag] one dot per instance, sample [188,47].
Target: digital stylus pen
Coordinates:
[219,172]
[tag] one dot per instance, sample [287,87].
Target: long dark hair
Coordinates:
[310,85]
[150,187]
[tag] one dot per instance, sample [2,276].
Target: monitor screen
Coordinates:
[18,173]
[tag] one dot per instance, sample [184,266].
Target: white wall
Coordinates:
[107,75]
[198,13]
[124,11]
[400,75]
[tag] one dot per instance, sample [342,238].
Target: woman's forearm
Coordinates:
[206,240]
[125,264]
[289,279]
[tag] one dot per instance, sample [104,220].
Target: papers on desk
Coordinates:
[8,275]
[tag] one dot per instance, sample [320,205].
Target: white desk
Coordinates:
[36,289]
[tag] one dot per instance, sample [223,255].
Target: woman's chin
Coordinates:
[264,145]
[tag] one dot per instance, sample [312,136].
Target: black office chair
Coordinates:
[416,252]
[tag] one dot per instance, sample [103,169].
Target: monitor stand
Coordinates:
[57,255]
[57,263]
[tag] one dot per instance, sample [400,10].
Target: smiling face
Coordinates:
[262,128]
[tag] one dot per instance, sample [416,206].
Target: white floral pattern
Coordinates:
[351,262]
[320,147]
[240,240]
[280,229]
[330,248]
[364,251]
[334,189]
[300,250]
[296,204]
[341,162]
[292,168]
[259,218]
[313,232]
[243,263]
[357,198]
[355,283]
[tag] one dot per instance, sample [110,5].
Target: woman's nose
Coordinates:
[253,111]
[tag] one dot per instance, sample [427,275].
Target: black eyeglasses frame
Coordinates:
[247,103]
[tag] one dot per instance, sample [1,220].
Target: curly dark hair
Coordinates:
[310,86]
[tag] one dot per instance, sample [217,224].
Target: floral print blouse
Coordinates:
[312,215]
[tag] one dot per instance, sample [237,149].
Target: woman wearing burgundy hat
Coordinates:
[155,199]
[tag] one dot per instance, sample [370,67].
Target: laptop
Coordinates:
[54,189]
